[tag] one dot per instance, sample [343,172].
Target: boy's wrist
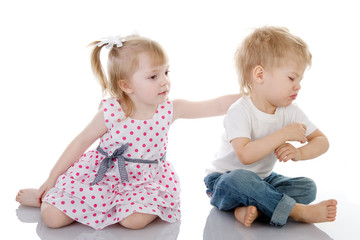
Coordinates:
[299,154]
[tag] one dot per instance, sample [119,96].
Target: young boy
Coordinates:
[270,65]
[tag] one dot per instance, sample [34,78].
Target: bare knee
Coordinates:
[137,221]
[53,217]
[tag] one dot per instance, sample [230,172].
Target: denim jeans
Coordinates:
[274,196]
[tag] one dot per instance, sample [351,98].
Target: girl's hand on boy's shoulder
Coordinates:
[286,152]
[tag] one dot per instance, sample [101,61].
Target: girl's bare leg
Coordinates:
[53,217]
[138,220]
[28,197]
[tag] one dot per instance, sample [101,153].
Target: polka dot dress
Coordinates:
[151,188]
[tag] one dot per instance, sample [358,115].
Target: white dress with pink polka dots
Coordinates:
[151,188]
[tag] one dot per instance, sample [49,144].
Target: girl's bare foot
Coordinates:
[324,211]
[246,215]
[28,197]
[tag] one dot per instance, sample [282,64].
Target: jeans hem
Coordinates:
[282,211]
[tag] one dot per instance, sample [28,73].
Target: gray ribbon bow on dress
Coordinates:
[107,162]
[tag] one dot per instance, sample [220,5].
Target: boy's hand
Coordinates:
[286,152]
[296,132]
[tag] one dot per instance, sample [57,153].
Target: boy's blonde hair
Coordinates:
[268,47]
[122,64]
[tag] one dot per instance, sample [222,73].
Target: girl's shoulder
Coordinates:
[113,112]
[164,111]
[109,102]
[167,105]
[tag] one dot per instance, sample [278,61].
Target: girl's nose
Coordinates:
[164,80]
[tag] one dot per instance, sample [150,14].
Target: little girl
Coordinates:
[127,178]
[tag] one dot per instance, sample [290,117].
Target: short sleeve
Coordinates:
[237,123]
[297,115]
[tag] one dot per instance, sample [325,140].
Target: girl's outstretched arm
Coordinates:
[209,108]
[93,131]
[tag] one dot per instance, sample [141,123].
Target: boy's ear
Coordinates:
[258,74]
[125,86]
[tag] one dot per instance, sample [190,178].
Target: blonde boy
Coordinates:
[270,64]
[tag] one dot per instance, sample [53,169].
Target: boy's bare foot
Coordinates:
[28,197]
[324,211]
[246,215]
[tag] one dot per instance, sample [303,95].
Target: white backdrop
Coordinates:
[48,93]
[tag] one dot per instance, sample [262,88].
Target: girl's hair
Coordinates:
[122,64]
[268,46]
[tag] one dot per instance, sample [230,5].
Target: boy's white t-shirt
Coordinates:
[243,119]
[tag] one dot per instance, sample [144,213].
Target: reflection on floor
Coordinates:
[223,225]
[159,230]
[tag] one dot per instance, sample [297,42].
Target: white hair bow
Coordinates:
[112,41]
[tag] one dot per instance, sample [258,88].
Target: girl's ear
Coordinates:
[258,74]
[125,86]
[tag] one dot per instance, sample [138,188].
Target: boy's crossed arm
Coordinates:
[317,144]
[249,152]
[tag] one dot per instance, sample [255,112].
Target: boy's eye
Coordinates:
[153,77]
[292,79]
[167,73]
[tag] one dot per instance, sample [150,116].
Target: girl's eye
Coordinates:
[153,77]
[292,79]
[167,73]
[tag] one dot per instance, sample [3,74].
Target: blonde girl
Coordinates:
[127,178]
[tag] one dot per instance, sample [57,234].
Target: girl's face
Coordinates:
[149,84]
[282,84]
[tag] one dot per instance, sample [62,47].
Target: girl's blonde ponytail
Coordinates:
[97,67]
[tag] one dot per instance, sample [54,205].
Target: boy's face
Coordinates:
[282,83]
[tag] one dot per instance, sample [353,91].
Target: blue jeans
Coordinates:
[274,196]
